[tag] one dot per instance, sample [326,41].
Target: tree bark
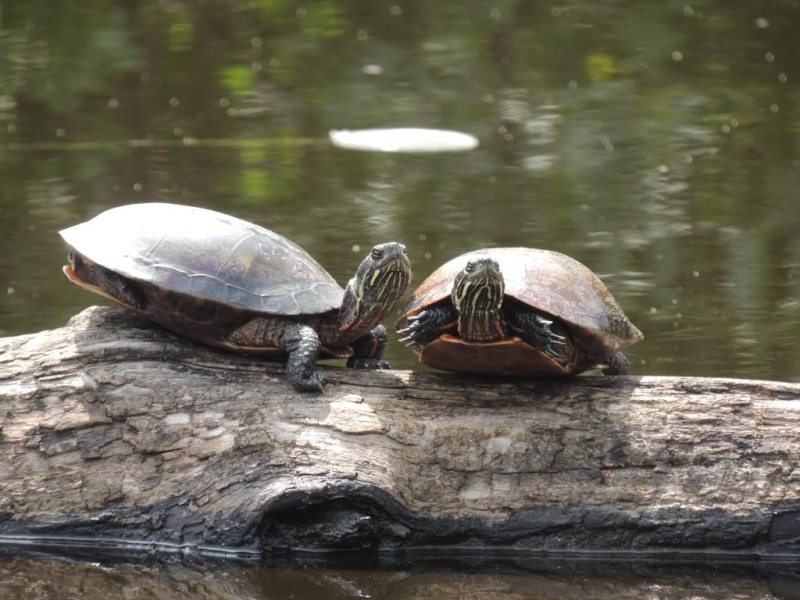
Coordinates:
[113,429]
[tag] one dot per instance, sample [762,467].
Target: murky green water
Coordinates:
[655,141]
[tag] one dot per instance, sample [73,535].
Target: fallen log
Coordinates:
[113,429]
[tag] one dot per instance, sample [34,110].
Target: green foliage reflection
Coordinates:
[655,141]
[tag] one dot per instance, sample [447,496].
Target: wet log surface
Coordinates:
[113,429]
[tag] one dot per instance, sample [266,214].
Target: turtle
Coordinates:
[231,284]
[519,312]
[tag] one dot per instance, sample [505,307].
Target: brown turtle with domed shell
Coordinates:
[517,311]
[228,283]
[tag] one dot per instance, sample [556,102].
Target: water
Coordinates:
[657,142]
[464,576]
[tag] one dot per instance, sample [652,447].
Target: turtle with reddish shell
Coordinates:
[517,311]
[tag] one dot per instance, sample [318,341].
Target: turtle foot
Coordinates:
[367,363]
[314,382]
[426,326]
[617,365]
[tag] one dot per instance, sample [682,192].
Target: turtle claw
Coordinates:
[409,340]
[556,344]
[408,336]
[412,337]
[426,326]
[367,363]
[313,383]
[553,344]
[411,333]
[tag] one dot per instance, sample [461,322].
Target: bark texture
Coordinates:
[112,428]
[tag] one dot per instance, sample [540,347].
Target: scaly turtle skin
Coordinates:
[231,284]
[517,311]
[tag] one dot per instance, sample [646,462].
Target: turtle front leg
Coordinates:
[543,333]
[368,350]
[428,325]
[299,342]
[302,345]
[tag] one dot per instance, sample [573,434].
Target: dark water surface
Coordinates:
[475,578]
[656,141]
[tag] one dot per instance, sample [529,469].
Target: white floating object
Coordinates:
[409,139]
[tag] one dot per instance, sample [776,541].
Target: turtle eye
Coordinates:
[377,253]
[470,267]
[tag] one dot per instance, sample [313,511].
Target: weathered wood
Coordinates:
[112,428]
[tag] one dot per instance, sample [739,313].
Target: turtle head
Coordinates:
[478,298]
[380,281]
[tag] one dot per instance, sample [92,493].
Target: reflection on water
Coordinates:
[408,140]
[478,578]
[655,142]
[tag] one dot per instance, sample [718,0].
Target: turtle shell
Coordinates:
[548,281]
[206,255]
